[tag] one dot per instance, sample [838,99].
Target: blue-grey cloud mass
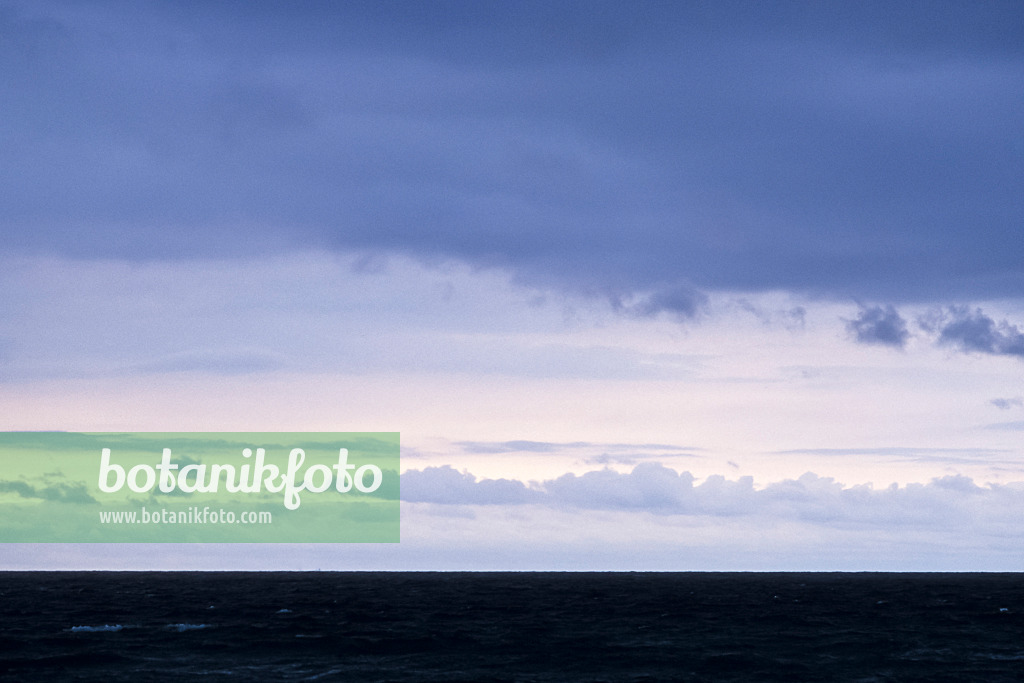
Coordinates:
[643,152]
[1008,403]
[879,325]
[973,331]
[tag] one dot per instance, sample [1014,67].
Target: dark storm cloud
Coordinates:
[879,325]
[973,331]
[648,150]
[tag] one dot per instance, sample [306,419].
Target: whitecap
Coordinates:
[97,629]
[180,628]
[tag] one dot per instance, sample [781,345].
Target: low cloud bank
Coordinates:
[654,488]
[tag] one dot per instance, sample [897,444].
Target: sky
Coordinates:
[644,286]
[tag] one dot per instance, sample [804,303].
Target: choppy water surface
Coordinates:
[324,626]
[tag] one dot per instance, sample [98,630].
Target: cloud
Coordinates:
[59,493]
[681,301]
[588,453]
[445,485]
[481,447]
[523,446]
[793,318]
[632,458]
[1017,425]
[648,487]
[655,154]
[973,331]
[878,325]
[654,488]
[1007,403]
[912,454]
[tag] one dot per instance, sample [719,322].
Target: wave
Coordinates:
[180,628]
[97,629]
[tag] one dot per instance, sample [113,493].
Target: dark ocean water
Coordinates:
[169,626]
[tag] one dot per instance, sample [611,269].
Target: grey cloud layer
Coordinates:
[653,488]
[643,153]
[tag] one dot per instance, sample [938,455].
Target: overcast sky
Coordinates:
[643,285]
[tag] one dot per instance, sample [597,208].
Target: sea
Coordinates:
[514,627]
